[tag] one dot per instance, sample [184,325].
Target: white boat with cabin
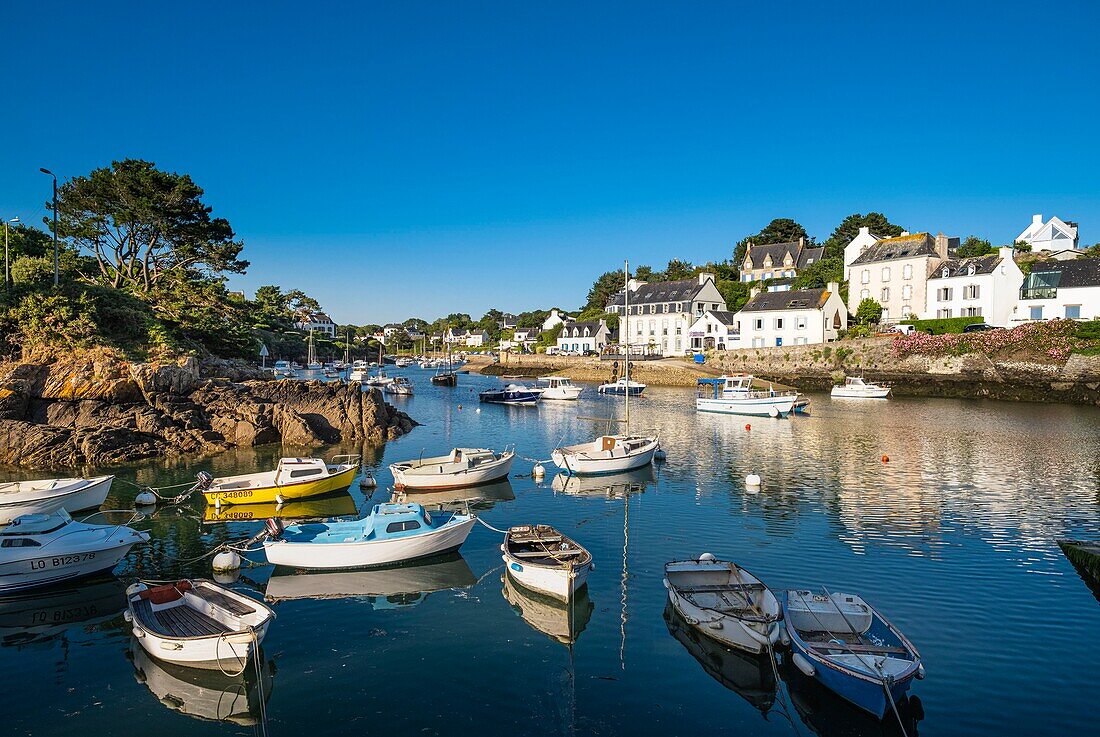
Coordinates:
[461,467]
[398,385]
[46,496]
[541,559]
[855,387]
[734,395]
[560,388]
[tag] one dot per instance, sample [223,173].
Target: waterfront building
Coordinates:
[778,260]
[468,338]
[982,286]
[1053,235]
[715,329]
[317,321]
[589,335]
[795,317]
[855,248]
[1060,289]
[661,313]
[894,272]
[555,318]
[388,331]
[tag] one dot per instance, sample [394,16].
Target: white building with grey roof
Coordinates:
[661,313]
[1060,289]
[985,287]
[795,317]
[894,272]
[716,329]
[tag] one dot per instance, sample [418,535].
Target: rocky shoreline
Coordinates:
[96,410]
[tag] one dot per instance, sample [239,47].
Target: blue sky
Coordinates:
[414,159]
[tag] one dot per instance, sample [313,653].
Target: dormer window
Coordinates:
[970,271]
[946,272]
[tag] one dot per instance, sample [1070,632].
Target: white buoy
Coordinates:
[227,560]
[707,557]
[659,454]
[145,499]
[477,411]
[753,480]
[368,481]
[538,472]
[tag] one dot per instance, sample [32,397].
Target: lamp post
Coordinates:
[47,171]
[7,270]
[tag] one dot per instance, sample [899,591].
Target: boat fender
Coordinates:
[666,584]
[762,639]
[538,471]
[591,566]
[714,624]
[803,664]
[226,561]
[920,671]
[660,454]
[502,547]
[773,412]
[784,637]
[145,499]
[127,616]
[368,481]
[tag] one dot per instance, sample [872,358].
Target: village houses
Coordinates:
[582,337]
[894,272]
[981,286]
[316,321]
[715,329]
[1054,235]
[779,261]
[794,317]
[662,313]
[1060,289]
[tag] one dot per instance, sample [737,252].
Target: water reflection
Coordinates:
[203,693]
[332,505]
[39,616]
[558,621]
[384,588]
[479,498]
[610,486]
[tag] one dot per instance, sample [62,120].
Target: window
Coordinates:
[1073,312]
[907,271]
[779,323]
[800,323]
[304,472]
[767,275]
[885,317]
[20,542]
[886,273]
[946,272]
[801,341]
[943,294]
[865,277]
[970,271]
[971,291]
[714,307]
[865,294]
[758,324]
[886,294]
[1037,313]
[971,312]
[907,309]
[907,291]
[409,524]
[757,342]
[943,313]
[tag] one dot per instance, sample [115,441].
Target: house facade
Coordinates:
[715,329]
[1060,289]
[983,286]
[778,260]
[316,321]
[522,339]
[1053,235]
[894,272]
[662,313]
[795,317]
[555,318]
[579,337]
[855,248]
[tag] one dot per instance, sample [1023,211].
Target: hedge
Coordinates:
[943,326]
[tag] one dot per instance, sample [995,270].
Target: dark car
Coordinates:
[977,327]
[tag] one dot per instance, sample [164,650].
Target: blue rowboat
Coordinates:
[851,649]
[512,394]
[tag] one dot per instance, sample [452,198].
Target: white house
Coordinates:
[477,338]
[317,321]
[982,286]
[894,272]
[796,317]
[583,336]
[388,331]
[507,321]
[778,260]
[554,319]
[863,240]
[1060,289]
[1053,235]
[715,329]
[662,313]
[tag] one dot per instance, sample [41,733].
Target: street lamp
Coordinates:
[47,171]
[7,270]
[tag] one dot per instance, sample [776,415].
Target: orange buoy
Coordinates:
[885,458]
[748,426]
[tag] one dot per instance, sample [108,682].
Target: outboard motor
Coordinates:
[274,528]
[204,480]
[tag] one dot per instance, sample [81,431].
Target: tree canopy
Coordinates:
[974,246]
[849,227]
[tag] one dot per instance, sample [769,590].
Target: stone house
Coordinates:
[894,272]
[778,260]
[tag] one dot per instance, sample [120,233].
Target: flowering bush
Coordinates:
[1055,339]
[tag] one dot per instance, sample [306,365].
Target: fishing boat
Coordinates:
[46,496]
[461,467]
[44,549]
[855,387]
[399,385]
[544,560]
[293,478]
[197,623]
[851,649]
[734,395]
[512,394]
[560,388]
[390,534]
[560,622]
[724,602]
[622,386]
[359,376]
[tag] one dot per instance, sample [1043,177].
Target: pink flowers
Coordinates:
[1052,338]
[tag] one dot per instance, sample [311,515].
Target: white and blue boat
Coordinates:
[389,535]
[846,645]
[621,387]
[512,394]
[734,395]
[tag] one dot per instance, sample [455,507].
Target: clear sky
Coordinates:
[412,159]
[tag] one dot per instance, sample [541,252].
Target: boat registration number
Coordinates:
[61,560]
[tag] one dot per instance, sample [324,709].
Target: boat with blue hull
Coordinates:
[622,387]
[512,394]
[847,646]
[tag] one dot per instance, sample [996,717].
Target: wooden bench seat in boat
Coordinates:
[178,621]
[238,608]
[852,647]
[546,554]
[720,588]
[521,539]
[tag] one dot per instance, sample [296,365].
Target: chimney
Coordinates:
[1036,219]
[753,292]
[941,245]
[865,230]
[904,233]
[703,276]
[833,287]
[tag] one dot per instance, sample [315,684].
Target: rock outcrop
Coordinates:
[99,410]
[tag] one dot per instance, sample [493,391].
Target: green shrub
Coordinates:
[943,325]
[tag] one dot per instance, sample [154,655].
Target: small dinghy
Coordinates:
[461,467]
[724,602]
[851,649]
[197,623]
[293,478]
[46,496]
[390,534]
[544,560]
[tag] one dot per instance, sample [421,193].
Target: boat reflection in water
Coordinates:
[611,486]
[207,694]
[751,678]
[828,715]
[557,620]
[38,616]
[340,504]
[384,588]
[479,498]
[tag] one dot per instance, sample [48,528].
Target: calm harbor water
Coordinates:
[953,539]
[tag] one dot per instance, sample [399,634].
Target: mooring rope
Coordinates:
[494,529]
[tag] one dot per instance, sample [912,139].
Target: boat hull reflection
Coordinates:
[478,497]
[611,486]
[40,615]
[341,504]
[555,619]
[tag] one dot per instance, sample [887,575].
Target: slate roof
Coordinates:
[663,291]
[903,246]
[802,255]
[986,264]
[795,299]
[729,319]
[314,317]
[1078,272]
[571,326]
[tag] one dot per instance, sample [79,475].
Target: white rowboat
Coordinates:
[46,496]
[461,467]
[541,559]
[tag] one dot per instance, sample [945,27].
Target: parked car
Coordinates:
[977,327]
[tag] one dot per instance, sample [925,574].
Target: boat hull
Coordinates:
[602,466]
[48,570]
[522,398]
[368,554]
[868,695]
[563,394]
[285,492]
[78,495]
[620,391]
[840,392]
[754,407]
[729,632]
[472,477]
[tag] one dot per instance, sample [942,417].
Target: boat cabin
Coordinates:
[854,381]
[296,470]
[17,534]
[556,382]
[724,386]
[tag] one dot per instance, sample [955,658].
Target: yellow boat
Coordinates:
[315,508]
[294,478]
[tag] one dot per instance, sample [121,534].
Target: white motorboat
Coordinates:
[606,454]
[379,379]
[398,385]
[560,388]
[461,467]
[622,386]
[544,560]
[44,549]
[724,602]
[390,534]
[855,387]
[197,623]
[46,496]
[734,395]
[359,376]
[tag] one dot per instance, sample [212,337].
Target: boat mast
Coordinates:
[626,345]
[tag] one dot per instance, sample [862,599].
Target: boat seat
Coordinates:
[545,554]
[852,647]
[720,588]
[227,602]
[534,539]
[178,621]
